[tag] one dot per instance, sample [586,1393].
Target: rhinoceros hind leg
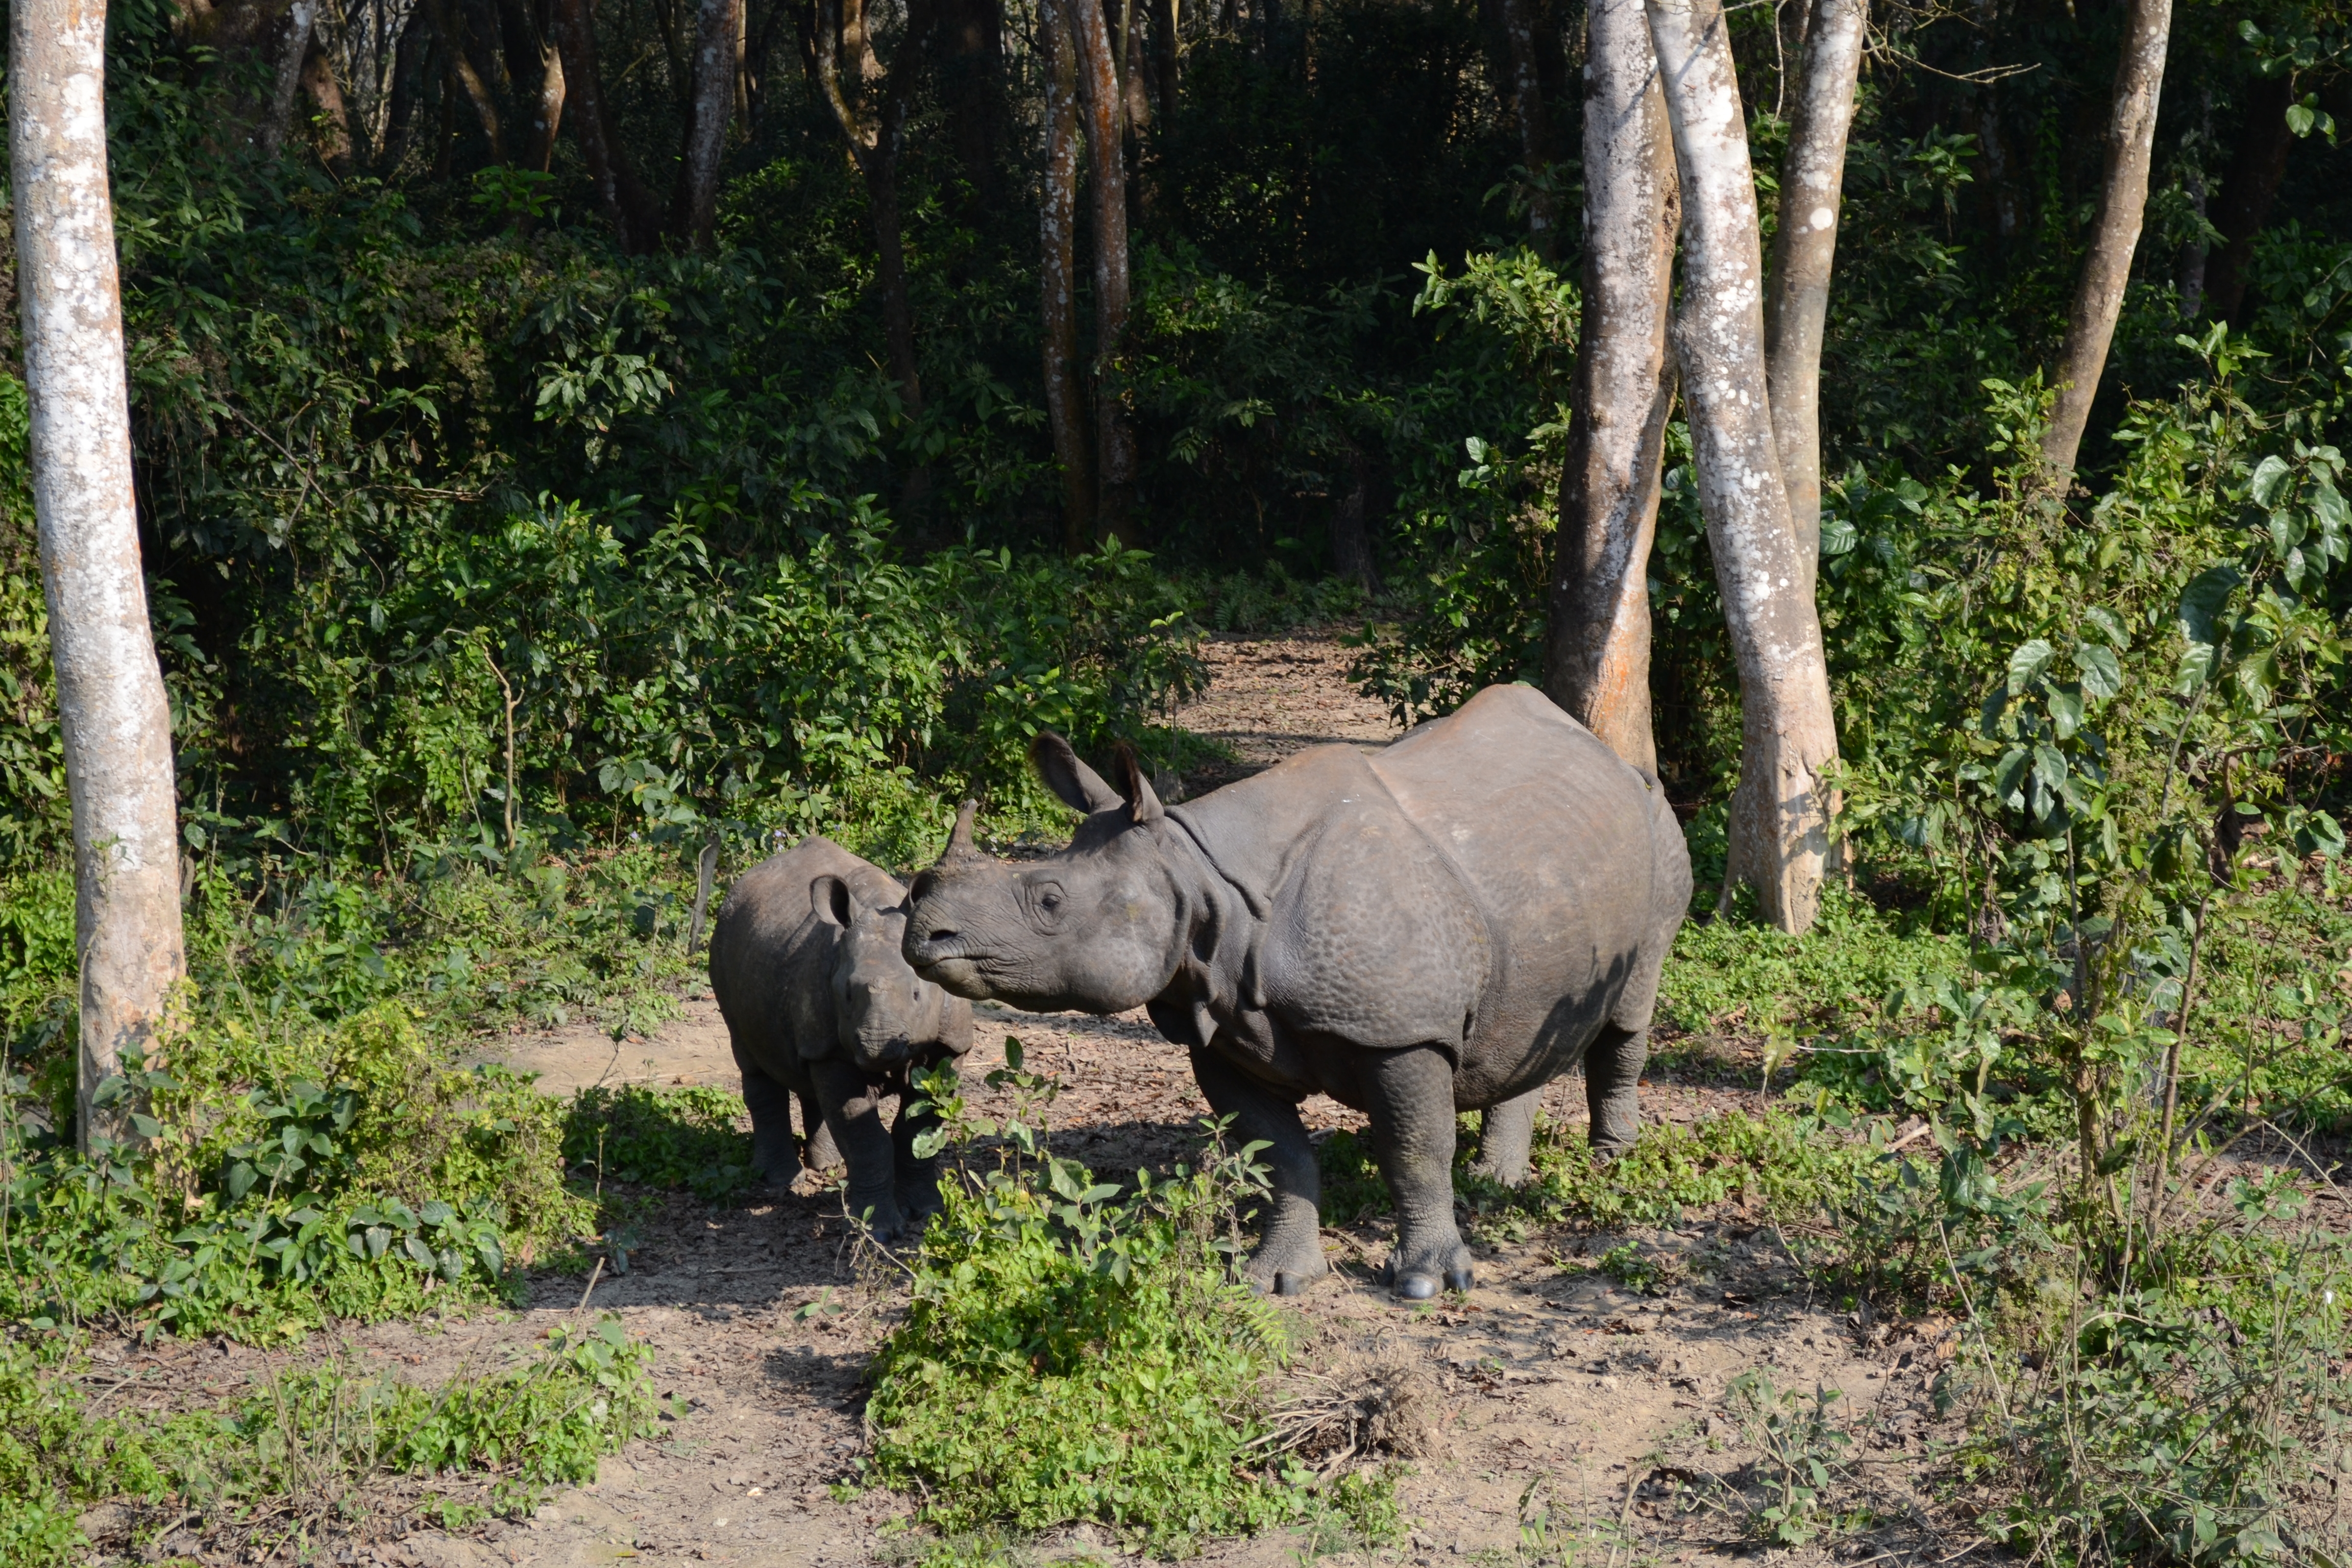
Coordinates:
[1505,1133]
[775,1157]
[1411,1104]
[1290,1254]
[1612,1089]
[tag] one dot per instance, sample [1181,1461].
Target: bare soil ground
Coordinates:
[1559,1391]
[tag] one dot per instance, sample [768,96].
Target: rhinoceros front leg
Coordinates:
[1412,1105]
[774,1155]
[1505,1133]
[917,1179]
[853,1111]
[818,1151]
[1290,1254]
[1612,1089]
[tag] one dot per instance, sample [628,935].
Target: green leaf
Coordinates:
[2027,664]
[2108,626]
[2065,710]
[2201,604]
[2103,674]
[2271,475]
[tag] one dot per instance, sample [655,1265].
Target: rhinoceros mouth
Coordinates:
[958,975]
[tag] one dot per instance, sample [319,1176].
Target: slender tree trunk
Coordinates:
[1098,96]
[1535,126]
[1812,179]
[292,49]
[335,120]
[2106,267]
[635,215]
[464,78]
[876,146]
[696,210]
[970,74]
[2257,164]
[1779,813]
[1597,652]
[1351,535]
[111,707]
[858,44]
[1166,54]
[547,114]
[1066,408]
[408,61]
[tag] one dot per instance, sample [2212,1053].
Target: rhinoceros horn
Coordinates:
[959,845]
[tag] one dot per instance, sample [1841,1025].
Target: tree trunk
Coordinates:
[1597,652]
[449,18]
[1779,813]
[696,210]
[1166,54]
[2257,164]
[1098,95]
[292,49]
[1066,408]
[547,114]
[1812,178]
[970,70]
[1535,127]
[874,145]
[628,205]
[408,61]
[2106,267]
[335,120]
[111,707]
[1352,536]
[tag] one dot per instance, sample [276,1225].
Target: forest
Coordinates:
[479,476]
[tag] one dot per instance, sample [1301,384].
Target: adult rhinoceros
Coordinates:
[1445,925]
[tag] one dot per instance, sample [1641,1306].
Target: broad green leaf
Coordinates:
[2027,663]
[2065,710]
[2202,600]
[2270,478]
[2102,675]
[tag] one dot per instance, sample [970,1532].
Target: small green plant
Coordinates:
[1803,1456]
[1637,1270]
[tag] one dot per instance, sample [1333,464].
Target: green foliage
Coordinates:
[693,1137]
[1802,1451]
[1629,1265]
[580,1397]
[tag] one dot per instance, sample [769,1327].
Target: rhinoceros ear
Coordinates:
[1079,785]
[1142,804]
[832,901]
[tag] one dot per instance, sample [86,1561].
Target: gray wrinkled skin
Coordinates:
[1445,926]
[821,1007]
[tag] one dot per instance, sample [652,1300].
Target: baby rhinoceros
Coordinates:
[822,1007]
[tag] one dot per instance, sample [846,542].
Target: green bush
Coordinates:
[692,1137]
[1066,1357]
[522,1429]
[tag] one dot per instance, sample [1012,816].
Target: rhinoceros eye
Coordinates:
[1046,901]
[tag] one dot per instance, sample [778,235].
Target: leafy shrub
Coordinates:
[581,1396]
[692,1137]
[1069,1357]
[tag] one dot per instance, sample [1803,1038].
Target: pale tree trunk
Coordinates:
[1812,180]
[326,95]
[547,114]
[110,702]
[1597,652]
[697,208]
[1779,813]
[301,17]
[1098,96]
[1066,408]
[2106,267]
[1535,127]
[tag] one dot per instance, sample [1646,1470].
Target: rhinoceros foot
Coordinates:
[1288,1260]
[1417,1274]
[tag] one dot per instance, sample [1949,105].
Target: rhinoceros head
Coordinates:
[882,1010]
[1094,928]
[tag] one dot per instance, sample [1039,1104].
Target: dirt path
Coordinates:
[1560,1390]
